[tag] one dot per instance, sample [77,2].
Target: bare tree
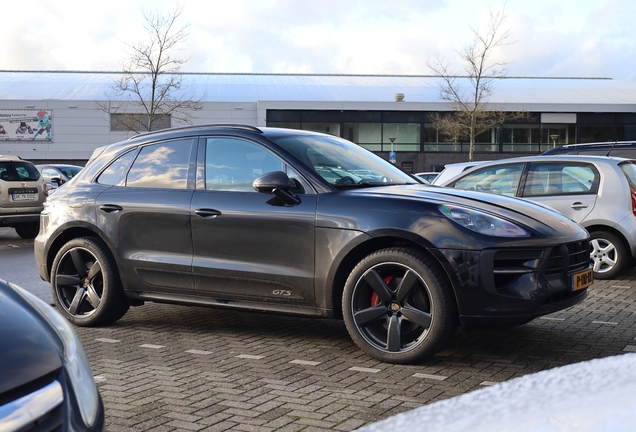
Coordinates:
[469,93]
[150,91]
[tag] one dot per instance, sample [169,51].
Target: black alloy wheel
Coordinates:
[398,306]
[85,283]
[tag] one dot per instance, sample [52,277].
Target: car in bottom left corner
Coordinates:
[46,383]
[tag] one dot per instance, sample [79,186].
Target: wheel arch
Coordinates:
[67,235]
[357,253]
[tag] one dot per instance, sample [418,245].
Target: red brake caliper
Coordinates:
[375,299]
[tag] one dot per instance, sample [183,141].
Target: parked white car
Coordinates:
[453,170]
[597,192]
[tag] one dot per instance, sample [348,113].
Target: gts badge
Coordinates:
[283,293]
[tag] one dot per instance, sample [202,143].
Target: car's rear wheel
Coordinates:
[609,255]
[86,285]
[28,230]
[398,306]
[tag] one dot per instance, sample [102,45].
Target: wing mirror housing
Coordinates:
[278,184]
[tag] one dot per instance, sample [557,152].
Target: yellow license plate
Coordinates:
[582,280]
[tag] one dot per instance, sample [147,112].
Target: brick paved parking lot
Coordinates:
[173,368]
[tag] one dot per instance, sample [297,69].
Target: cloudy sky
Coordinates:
[555,38]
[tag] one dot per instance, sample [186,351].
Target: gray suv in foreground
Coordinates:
[300,222]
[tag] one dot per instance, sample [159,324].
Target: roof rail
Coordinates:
[205,125]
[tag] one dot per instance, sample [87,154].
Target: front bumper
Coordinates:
[515,285]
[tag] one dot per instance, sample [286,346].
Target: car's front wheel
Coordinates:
[86,285]
[609,256]
[398,306]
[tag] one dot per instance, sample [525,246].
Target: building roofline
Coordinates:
[297,74]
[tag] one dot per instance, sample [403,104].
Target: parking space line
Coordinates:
[551,318]
[193,351]
[151,346]
[361,369]
[428,376]
[250,357]
[630,348]
[107,340]
[488,383]
[305,362]
[620,286]
[605,322]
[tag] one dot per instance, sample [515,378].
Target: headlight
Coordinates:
[75,360]
[481,222]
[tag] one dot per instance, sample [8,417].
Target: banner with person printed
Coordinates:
[22,125]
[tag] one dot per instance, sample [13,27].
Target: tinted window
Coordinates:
[500,180]
[161,166]
[233,164]
[115,174]
[18,171]
[560,179]
[629,169]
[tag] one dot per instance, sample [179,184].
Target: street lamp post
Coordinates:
[554,138]
[392,154]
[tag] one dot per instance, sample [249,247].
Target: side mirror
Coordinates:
[278,184]
[270,181]
[58,181]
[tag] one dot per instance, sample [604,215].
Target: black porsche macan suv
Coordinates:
[305,223]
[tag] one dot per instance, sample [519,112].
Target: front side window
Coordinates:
[161,166]
[233,164]
[500,180]
[560,179]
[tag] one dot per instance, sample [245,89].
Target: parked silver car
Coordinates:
[597,192]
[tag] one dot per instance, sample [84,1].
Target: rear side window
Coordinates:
[18,171]
[500,180]
[561,179]
[629,169]
[161,166]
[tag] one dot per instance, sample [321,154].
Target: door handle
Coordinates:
[110,208]
[207,213]
[578,206]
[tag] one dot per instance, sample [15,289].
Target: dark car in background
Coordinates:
[625,149]
[300,222]
[56,175]
[46,383]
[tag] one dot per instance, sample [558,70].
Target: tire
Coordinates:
[28,230]
[398,306]
[608,256]
[85,283]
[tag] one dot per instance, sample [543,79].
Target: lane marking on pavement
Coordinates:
[428,376]
[99,379]
[605,322]
[193,351]
[630,348]
[552,319]
[361,369]
[305,362]
[250,357]
[151,346]
[107,340]
[620,286]
[488,383]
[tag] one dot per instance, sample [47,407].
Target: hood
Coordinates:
[29,350]
[531,214]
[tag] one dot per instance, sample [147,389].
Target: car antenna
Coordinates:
[611,148]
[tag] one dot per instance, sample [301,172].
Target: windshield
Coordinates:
[341,162]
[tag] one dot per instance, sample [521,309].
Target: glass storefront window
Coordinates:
[332,128]
[407,136]
[486,141]
[565,134]
[285,125]
[591,133]
[367,135]
[520,138]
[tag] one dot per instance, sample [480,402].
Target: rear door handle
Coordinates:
[110,208]
[578,205]
[207,213]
